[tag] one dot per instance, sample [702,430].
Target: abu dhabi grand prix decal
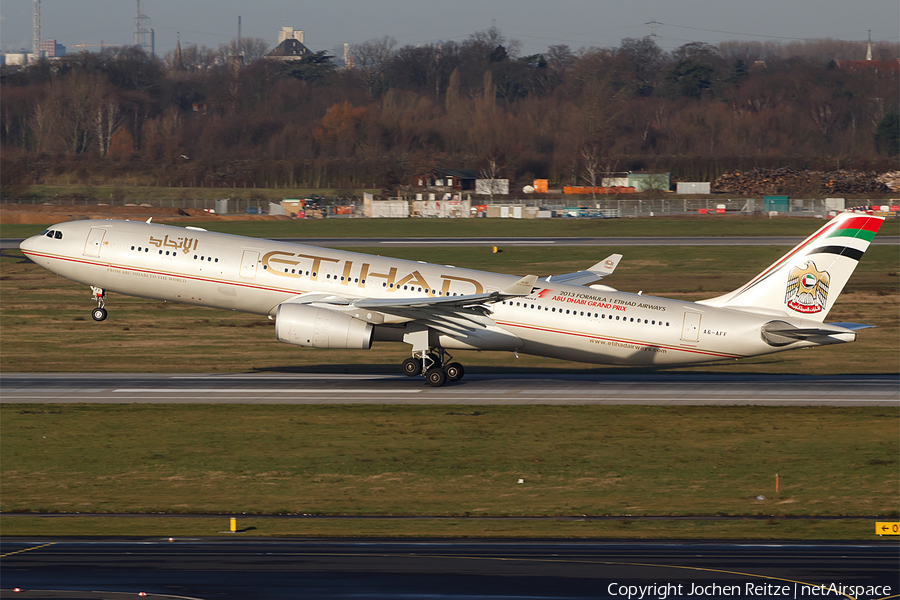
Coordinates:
[807,288]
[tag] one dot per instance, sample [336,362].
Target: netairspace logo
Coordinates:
[794,591]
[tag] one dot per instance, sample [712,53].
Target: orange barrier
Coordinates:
[616,189]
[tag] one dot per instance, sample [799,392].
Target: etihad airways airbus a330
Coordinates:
[321,298]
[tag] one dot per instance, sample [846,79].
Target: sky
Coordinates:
[536,24]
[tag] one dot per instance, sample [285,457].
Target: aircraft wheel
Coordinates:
[454,371]
[99,313]
[411,367]
[435,377]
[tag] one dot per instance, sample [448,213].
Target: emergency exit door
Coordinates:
[248,263]
[94,241]
[690,332]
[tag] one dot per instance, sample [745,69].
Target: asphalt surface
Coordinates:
[444,569]
[11,243]
[474,389]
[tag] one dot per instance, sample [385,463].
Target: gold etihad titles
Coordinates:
[295,265]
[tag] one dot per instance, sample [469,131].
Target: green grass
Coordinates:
[499,228]
[440,460]
[165,527]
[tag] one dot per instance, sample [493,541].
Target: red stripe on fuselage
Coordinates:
[621,341]
[166,273]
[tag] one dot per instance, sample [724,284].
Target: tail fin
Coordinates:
[806,281]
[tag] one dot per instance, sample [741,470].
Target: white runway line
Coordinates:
[258,391]
[468,243]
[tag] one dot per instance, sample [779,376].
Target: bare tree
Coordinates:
[107,120]
[252,49]
[590,163]
[370,58]
[490,172]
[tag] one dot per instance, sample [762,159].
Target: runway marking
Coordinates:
[259,391]
[426,399]
[26,550]
[299,377]
[469,243]
[591,562]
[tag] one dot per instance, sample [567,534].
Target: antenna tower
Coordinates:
[143,34]
[36,37]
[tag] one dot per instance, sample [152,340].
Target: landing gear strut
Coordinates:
[99,294]
[434,366]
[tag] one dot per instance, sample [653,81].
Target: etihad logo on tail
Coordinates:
[807,288]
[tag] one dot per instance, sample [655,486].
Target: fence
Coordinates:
[561,206]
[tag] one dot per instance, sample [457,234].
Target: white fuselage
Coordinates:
[252,275]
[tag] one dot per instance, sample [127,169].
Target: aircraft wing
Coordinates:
[452,315]
[591,275]
[522,287]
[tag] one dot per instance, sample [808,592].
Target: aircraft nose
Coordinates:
[30,244]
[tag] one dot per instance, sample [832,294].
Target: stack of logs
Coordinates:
[785,181]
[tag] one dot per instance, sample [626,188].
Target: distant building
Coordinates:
[289,33]
[15,58]
[51,49]
[289,49]
[447,179]
[879,66]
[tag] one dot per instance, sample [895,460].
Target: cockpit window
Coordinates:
[58,235]
[49,233]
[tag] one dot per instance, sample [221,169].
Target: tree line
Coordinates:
[400,112]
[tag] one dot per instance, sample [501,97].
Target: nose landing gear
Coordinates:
[99,313]
[434,366]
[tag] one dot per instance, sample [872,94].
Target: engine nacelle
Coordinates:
[313,327]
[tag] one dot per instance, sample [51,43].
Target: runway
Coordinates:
[446,569]
[474,389]
[450,242]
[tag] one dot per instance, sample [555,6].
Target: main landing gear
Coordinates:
[434,366]
[99,294]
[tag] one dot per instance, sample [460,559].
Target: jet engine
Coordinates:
[313,327]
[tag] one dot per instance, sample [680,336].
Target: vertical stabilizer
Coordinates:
[806,281]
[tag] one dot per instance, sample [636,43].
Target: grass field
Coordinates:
[499,228]
[636,528]
[438,460]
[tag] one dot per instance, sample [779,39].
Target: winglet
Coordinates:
[607,265]
[522,287]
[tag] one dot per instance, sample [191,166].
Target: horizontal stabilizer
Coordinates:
[851,326]
[779,333]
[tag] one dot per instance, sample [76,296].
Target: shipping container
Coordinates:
[692,187]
